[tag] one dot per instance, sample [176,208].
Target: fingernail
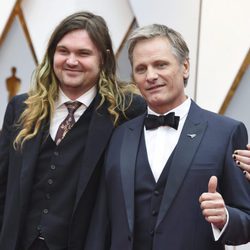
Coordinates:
[234,157]
[236,152]
[244,172]
[238,163]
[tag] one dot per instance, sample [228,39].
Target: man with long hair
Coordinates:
[54,138]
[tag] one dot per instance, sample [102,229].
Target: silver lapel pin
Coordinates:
[191,135]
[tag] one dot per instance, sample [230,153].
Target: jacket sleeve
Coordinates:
[236,193]
[5,144]
[98,237]
[137,107]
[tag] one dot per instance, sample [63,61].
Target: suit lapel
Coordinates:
[186,148]
[100,129]
[129,151]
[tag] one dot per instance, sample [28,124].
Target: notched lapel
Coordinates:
[129,151]
[185,150]
[100,129]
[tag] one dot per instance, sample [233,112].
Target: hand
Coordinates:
[242,159]
[213,206]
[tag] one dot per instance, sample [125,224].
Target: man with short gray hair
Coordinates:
[170,181]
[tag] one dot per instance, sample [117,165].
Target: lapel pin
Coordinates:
[191,135]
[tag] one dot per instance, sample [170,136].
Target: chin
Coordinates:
[73,84]
[156,101]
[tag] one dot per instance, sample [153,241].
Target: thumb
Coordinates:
[212,184]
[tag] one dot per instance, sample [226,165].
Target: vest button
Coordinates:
[45,211]
[50,181]
[56,153]
[154,212]
[53,167]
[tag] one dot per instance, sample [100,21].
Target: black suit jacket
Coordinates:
[17,171]
[204,149]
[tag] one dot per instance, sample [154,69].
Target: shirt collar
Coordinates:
[85,99]
[181,110]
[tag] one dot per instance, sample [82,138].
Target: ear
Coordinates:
[186,68]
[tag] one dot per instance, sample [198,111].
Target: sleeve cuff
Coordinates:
[216,231]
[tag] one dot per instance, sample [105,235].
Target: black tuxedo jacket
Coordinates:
[17,171]
[205,148]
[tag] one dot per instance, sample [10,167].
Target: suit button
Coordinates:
[154,212]
[156,192]
[39,228]
[45,211]
[129,238]
[56,153]
[152,232]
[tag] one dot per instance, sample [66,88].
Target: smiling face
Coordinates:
[158,74]
[76,63]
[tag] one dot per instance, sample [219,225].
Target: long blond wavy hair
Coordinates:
[44,90]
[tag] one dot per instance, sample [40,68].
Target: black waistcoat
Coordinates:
[54,186]
[148,196]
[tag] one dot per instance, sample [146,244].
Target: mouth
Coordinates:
[155,87]
[72,71]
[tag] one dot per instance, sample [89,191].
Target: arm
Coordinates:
[236,192]
[232,194]
[242,159]
[5,143]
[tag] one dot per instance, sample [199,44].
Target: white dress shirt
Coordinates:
[161,142]
[61,110]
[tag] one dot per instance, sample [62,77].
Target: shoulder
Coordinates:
[136,106]
[221,122]
[17,104]
[19,98]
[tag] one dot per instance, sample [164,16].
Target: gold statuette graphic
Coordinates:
[13,83]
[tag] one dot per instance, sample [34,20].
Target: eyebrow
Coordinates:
[78,50]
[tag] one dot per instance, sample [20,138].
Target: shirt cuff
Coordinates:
[216,231]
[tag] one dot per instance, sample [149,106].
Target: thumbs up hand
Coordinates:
[213,206]
[212,184]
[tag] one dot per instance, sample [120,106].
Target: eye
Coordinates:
[84,53]
[140,69]
[62,51]
[161,65]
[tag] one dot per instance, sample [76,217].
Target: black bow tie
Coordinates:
[154,121]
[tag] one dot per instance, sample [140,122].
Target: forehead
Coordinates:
[153,48]
[78,37]
[151,43]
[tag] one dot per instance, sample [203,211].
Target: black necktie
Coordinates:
[154,121]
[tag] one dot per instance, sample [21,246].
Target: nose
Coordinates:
[151,75]
[72,60]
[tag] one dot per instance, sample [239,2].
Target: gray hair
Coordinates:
[179,46]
